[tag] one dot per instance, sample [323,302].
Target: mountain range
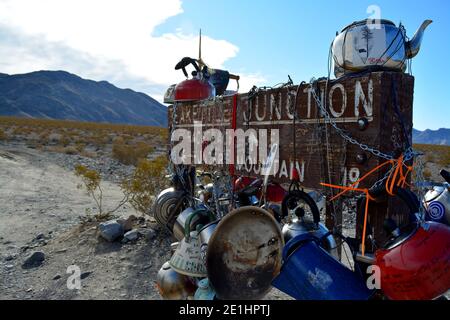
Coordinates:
[440,136]
[62,95]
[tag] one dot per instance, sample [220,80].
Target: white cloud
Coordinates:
[104,39]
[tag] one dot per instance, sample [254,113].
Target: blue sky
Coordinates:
[276,38]
[136,43]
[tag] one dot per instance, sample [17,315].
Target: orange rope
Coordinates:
[396,178]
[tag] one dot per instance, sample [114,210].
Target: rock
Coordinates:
[132,235]
[34,260]
[64,250]
[29,289]
[84,275]
[40,236]
[10,257]
[58,276]
[9,266]
[128,223]
[111,230]
[148,233]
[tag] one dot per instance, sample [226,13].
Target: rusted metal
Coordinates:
[244,254]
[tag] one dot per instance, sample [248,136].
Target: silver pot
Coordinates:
[374,44]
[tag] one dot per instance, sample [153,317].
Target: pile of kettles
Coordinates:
[256,245]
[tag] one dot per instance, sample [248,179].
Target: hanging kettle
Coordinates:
[187,258]
[311,273]
[165,202]
[194,216]
[415,261]
[173,285]
[300,203]
[374,44]
[437,201]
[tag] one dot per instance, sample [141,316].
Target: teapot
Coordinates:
[374,45]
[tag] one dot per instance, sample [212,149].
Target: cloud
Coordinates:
[104,40]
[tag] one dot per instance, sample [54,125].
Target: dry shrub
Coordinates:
[92,182]
[131,154]
[427,174]
[64,141]
[71,150]
[3,135]
[147,179]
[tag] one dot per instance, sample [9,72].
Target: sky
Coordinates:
[136,43]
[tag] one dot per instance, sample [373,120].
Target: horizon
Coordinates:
[46,35]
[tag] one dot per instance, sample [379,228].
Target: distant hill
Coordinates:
[62,95]
[440,136]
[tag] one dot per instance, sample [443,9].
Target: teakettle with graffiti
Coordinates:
[374,45]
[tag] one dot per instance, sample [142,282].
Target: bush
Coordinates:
[131,154]
[3,135]
[70,150]
[92,182]
[147,179]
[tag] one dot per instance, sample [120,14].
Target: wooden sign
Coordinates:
[363,107]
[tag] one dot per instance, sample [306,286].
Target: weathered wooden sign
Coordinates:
[375,109]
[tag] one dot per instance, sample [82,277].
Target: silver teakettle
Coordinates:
[374,44]
[299,203]
[173,285]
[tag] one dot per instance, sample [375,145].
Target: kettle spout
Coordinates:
[413,46]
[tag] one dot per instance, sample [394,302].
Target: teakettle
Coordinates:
[374,44]
[295,201]
[198,87]
[173,285]
[415,265]
[437,201]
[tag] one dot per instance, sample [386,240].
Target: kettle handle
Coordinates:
[298,194]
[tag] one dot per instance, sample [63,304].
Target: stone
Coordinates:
[111,230]
[148,233]
[34,260]
[128,223]
[58,276]
[84,275]
[132,235]
[10,257]
[40,236]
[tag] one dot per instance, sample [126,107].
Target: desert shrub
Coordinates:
[92,183]
[80,146]
[427,174]
[3,135]
[131,154]
[71,150]
[147,179]
[64,141]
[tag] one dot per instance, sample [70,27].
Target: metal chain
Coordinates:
[343,134]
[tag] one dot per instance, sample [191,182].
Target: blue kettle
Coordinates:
[311,273]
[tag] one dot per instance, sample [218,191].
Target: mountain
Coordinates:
[440,136]
[62,95]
